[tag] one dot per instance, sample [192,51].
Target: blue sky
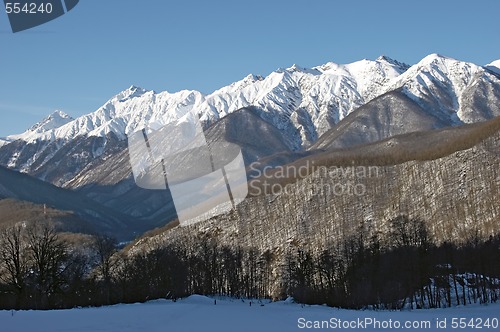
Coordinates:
[78,61]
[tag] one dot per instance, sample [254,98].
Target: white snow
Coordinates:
[4,141]
[302,102]
[438,82]
[494,66]
[327,91]
[55,120]
[199,313]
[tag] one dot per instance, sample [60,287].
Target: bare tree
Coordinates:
[105,248]
[14,260]
[49,256]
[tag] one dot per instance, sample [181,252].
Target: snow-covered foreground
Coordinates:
[198,313]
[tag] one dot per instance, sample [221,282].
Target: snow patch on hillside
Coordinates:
[494,66]
[4,141]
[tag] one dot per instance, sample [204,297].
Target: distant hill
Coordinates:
[13,212]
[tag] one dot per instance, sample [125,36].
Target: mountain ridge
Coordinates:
[300,110]
[452,188]
[340,89]
[216,104]
[21,187]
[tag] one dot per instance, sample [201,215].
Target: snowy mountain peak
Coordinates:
[61,114]
[136,89]
[436,58]
[384,58]
[297,68]
[382,63]
[324,94]
[133,91]
[53,121]
[401,65]
[45,127]
[303,102]
[253,78]
[494,66]
[249,79]
[441,68]
[437,84]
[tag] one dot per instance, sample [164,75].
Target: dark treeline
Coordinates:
[41,270]
[405,269]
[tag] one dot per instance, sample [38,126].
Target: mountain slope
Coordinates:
[25,188]
[301,103]
[441,85]
[494,66]
[391,114]
[435,93]
[447,178]
[13,212]
[110,182]
[290,114]
[4,141]
[255,137]
[51,122]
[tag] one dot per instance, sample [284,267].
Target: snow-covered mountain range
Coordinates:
[53,121]
[306,102]
[291,111]
[295,98]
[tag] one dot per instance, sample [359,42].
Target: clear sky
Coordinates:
[78,61]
